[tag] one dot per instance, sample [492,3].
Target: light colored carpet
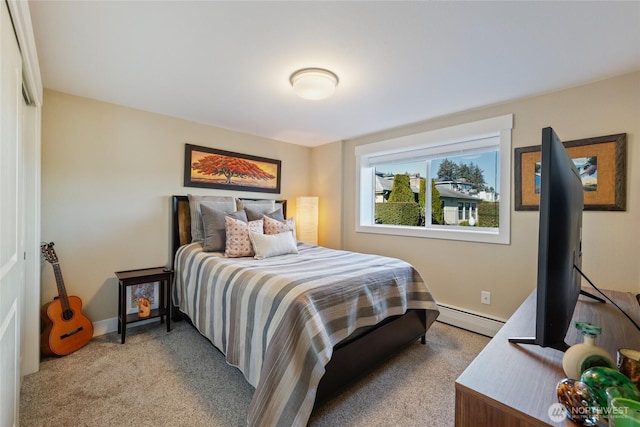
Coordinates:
[180,379]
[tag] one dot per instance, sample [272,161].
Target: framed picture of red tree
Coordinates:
[210,168]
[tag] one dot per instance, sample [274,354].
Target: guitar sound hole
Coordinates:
[67,314]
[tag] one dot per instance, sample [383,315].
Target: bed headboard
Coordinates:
[181,221]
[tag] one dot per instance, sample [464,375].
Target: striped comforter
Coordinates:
[277,319]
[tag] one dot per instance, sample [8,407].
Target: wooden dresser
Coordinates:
[513,385]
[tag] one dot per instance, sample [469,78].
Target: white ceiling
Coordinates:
[228,64]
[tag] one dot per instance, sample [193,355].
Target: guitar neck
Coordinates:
[62,292]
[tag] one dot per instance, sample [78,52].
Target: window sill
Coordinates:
[467,234]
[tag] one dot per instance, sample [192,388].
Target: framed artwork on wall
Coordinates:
[211,168]
[601,162]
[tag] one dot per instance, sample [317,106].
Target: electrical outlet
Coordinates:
[485,297]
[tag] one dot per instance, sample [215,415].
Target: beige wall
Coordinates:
[107,174]
[326,183]
[457,271]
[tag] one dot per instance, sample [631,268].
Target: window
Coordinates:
[451,183]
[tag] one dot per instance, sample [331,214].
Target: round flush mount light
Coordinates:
[313,83]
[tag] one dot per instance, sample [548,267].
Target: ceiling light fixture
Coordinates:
[313,83]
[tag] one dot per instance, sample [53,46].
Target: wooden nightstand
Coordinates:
[137,277]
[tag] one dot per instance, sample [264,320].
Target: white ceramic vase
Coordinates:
[580,357]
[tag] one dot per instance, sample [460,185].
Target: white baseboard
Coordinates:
[111,325]
[474,322]
[465,319]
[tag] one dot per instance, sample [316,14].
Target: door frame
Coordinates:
[31,132]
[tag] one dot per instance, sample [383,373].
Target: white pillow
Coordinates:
[270,245]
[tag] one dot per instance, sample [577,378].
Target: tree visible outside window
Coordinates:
[438,185]
[458,187]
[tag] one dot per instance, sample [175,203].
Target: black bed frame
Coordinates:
[353,357]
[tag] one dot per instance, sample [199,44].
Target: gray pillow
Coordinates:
[242,204]
[255,212]
[214,228]
[241,215]
[223,203]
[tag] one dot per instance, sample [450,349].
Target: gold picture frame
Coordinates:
[206,167]
[606,192]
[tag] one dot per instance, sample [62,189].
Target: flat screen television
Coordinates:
[559,245]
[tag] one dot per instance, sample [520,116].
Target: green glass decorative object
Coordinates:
[624,413]
[600,378]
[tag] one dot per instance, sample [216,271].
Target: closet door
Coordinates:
[11,220]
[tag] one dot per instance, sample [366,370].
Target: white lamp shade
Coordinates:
[307,219]
[314,83]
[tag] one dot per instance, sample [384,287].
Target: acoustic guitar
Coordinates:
[66,329]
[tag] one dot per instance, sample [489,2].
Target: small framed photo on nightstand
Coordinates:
[149,291]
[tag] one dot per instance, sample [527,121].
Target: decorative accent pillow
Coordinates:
[238,243]
[273,226]
[213,225]
[270,245]
[223,203]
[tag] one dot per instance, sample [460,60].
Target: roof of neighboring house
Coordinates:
[383,184]
[452,194]
[386,184]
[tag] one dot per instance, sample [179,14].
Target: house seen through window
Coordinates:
[450,184]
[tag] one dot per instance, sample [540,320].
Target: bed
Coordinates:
[301,325]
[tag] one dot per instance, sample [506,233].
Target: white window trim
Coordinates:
[426,142]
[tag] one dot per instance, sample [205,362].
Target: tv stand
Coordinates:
[563,346]
[531,340]
[512,385]
[590,295]
[582,291]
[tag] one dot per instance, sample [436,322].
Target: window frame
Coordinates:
[467,136]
